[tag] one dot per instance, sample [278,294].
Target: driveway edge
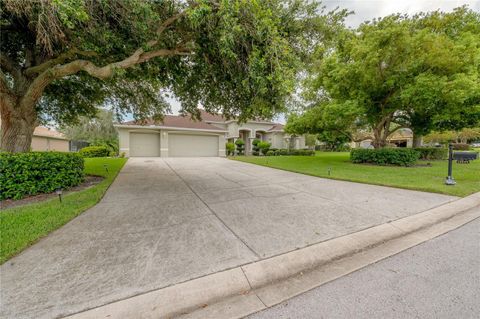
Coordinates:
[243,290]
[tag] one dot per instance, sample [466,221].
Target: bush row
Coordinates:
[432,153]
[385,156]
[95,151]
[294,152]
[461,146]
[23,174]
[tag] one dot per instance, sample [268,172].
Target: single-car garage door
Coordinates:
[144,144]
[184,145]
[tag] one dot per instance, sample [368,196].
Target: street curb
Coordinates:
[246,289]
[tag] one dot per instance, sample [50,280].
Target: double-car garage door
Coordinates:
[179,145]
[186,145]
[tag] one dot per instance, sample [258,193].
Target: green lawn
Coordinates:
[430,179]
[22,226]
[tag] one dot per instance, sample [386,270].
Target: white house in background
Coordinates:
[181,136]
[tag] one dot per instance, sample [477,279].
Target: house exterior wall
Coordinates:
[232,129]
[124,141]
[41,143]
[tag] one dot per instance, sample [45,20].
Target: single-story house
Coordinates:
[47,139]
[182,136]
[400,138]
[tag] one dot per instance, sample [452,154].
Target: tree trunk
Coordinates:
[18,121]
[417,140]
[380,139]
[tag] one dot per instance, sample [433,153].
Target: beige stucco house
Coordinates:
[47,139]
[181,136]
[400,138]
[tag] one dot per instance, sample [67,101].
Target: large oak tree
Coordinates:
[420,72]
[60,59]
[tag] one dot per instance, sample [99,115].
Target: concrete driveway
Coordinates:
[165,221]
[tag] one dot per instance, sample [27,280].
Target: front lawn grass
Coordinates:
[22,226]
[424,178]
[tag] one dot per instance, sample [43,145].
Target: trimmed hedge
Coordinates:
[95,151]
[230,148]
[461,146]
[240,145]
[432,153]
[286,152]
[23,174]
[385,156]
[263,147]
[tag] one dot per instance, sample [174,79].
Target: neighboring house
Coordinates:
[400,138]
[47,139]
[181,136]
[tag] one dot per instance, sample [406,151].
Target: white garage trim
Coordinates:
[192,145]
[144,144]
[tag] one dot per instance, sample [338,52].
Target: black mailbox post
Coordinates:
[450,180]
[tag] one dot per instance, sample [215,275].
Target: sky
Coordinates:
[369,9]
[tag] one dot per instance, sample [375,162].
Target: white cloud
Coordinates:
[369,9]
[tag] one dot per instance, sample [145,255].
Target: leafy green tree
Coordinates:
[464,136]
[310,140]
[420,72]
[60,59]
[98,131]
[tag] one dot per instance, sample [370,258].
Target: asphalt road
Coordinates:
[437,279]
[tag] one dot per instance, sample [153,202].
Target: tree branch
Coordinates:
[8,65]
[46,77]
[4,88]
[58,60]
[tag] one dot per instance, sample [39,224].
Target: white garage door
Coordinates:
[183,145]
[144,144]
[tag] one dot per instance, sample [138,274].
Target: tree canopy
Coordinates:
[420,72]
[61,59]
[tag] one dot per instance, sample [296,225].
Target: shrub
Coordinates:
[270,153]
[95,151]
[264,147]
[461,146]
[240,146]
[295,152]
[255,148]
[432,153]
[230,147]
[385,156]
[23,174]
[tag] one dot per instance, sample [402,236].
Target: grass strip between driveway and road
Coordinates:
[22,226]
[337,165]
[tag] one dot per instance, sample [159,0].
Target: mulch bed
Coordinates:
[89,182]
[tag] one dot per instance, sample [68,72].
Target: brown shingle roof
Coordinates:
[48,132]
[177,121]
[211,117]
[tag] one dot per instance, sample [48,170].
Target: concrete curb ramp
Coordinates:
[243,290]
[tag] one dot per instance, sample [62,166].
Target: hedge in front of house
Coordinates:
[23,174]
[385,156]
[432,153]
[95,151]
[286,152]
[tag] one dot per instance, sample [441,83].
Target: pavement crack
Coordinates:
[251,288]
